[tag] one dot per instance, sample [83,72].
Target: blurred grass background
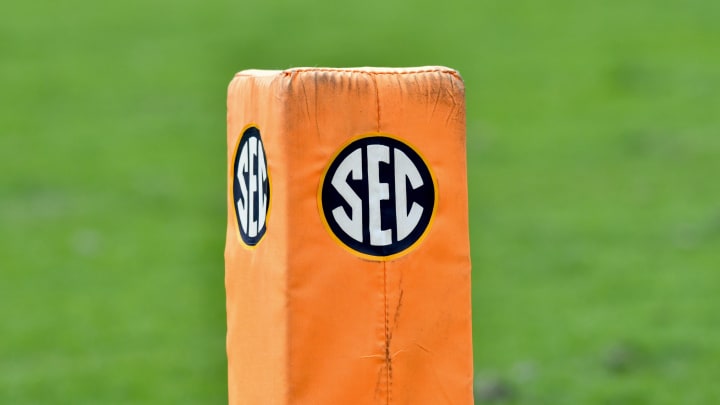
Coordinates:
[593,153]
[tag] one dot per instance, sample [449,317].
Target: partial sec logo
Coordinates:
[251,186]
[378,197]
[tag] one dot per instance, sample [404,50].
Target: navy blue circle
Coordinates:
[254,197]
[423,195]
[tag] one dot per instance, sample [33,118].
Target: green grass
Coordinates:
[593,154]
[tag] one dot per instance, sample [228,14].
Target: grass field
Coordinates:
[593,145]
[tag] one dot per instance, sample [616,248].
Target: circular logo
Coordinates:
[251,187]
[378,197]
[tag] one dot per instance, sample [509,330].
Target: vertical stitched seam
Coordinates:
[377,98]
[388,361]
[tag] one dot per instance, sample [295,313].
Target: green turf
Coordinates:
[595,211]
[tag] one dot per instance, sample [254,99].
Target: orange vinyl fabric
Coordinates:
[312,319]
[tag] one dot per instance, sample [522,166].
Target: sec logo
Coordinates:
[251,186]
[377,197]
